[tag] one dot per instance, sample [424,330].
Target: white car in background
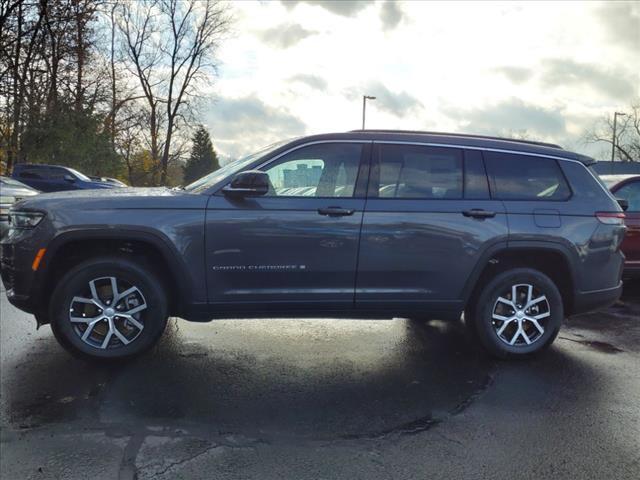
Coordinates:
[11,191]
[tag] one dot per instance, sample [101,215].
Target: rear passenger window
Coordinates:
[33,173]
[522,177]
[413,171]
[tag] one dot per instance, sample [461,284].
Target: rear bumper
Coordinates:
[631,270]
[596,300]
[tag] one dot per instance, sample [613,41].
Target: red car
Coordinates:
[627,187]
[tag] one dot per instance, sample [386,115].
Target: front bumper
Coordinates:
[22,284]
[16,284]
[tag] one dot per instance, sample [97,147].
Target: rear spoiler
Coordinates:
[588,161]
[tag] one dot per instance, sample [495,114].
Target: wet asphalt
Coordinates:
[325,399]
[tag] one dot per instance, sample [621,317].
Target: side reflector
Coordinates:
[36,261]
[611,218]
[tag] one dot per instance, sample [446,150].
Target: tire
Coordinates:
[84,300]
[508,329]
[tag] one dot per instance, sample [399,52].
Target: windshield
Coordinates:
[81,176]
[231,168]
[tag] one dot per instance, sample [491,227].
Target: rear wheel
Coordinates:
[108,308]
[518,313]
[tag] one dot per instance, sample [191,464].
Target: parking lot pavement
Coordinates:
[325,399]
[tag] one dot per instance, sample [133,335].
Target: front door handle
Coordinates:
[478,213]
[336,211]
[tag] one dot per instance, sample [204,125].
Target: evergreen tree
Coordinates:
[203,159]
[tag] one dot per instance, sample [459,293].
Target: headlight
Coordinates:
[25,219]
[5,199]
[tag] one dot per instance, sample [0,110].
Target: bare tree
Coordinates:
[171,46]
[627,143]
[19,46]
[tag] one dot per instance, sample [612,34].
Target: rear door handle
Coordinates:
[336,211]
[478,213]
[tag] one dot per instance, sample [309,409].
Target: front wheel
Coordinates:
[518,313]
[108,309]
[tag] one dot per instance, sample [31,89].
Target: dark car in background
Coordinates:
[55,178]
[11,191]
[627,187]
[367,224]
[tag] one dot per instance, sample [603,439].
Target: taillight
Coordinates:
[611,218]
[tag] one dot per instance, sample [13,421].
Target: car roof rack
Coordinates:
[463,135]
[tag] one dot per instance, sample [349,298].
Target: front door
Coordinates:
[428,220]
[297,244]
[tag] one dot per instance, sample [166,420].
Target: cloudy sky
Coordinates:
[548,70]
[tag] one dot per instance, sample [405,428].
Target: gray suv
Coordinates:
[367,224]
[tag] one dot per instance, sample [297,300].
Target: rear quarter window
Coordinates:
[524,177]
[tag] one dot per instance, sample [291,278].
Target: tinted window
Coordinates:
[631,193]
[521,177]
[33,173]
[323,170]
[57,173]
[413,171]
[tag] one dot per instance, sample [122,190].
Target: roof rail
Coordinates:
[464,135]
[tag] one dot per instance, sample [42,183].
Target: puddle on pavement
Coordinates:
[316,378]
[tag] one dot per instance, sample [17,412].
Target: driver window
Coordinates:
[322,170]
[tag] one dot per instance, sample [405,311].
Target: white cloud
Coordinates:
[285,35]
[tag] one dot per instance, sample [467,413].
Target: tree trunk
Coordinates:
[17,99]
[165,154]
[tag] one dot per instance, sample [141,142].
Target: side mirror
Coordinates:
[69,178]
[252,183]
[624,204]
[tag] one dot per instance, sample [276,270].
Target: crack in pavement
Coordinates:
[182,461]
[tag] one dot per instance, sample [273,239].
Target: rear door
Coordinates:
[429,218]
[36,177]
[296,246]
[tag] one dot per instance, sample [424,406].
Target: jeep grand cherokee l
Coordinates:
[365,224]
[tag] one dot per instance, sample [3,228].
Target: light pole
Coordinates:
[613,143]
[364,107]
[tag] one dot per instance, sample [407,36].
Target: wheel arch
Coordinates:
[553,259]
[69,248]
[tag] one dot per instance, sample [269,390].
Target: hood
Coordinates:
[17,192]
[114,198]
[107,192]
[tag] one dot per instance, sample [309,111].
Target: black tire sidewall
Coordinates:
[77,279]
[483,311]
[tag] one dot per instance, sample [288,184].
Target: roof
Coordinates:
[37,165]
[465,135]
[454,139]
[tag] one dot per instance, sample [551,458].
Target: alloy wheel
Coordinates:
[109,313]
[519,315]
